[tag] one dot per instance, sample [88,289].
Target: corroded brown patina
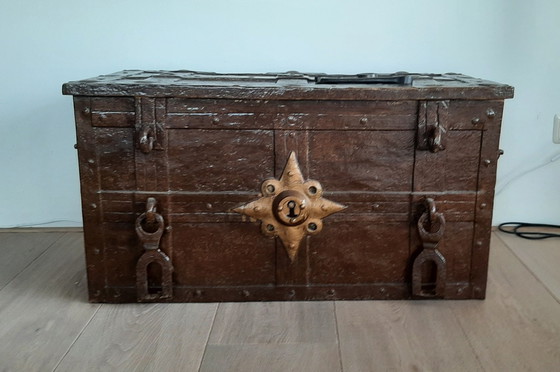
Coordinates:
[150,242]
[390,148]
[431,228]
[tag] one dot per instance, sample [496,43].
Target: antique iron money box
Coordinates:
[291,186]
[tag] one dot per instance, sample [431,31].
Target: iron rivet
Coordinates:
[270,227]
[76,146]
[363,120]
[208,205]
[168,228]
[479,243]
[291,119]
[292,293]
[87,110]
[96,251]
[490,113]
[280,208]
[257,208]
[292,134]
[331,292]
[198,292]
[215,120]
[376,206]
[475,121]
[290,173]
[93,205]
[487,162]
[382,290]
[324,207]
[91,161]
[483,205]
[270,189]
[246,293]
[292,245]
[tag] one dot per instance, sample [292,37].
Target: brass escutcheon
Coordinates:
[290,208]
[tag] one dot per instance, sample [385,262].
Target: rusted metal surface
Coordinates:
[290,208]
[201,144]
[292,86]
[149,228]
[431,228]
[432,123]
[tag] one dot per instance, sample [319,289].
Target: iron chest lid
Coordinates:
[289,85]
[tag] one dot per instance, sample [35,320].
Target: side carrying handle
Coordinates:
[431,227]
[150,240]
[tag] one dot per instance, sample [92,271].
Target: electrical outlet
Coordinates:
[556,131]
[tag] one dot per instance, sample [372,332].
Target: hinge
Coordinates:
[149,133]
[432,125]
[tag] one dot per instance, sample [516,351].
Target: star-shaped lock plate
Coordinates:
[290,208]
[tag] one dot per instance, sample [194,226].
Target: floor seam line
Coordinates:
[208,337]
[77,337]
[467,338]
[528,268]
[33,260]
[337,337]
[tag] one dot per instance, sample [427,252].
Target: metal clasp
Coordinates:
[436,139]
[146,138]
[431,228]
[431,224]
[432,125]
[150,241]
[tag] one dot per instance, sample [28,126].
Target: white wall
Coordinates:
[46,43]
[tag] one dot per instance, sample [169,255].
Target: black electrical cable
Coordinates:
[514,228]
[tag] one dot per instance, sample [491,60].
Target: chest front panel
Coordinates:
[411,181]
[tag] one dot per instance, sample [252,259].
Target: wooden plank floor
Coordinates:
[46,323]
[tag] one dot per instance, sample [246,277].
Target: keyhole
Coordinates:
[289,208]
[292,207]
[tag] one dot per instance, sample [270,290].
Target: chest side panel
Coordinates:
[453,178]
